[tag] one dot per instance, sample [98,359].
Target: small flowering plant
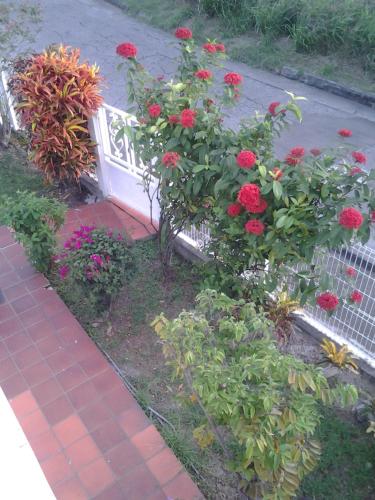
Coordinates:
[98,261]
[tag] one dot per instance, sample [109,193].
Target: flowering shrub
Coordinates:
[35,221]
[262,211]
[57,95]
[96,260]
[261,406]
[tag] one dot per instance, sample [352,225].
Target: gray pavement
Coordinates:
[97,27]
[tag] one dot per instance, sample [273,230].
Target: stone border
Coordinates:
[330,86]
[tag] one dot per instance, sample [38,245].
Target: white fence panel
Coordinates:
[119,169]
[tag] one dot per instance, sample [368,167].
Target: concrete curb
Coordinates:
[330,86]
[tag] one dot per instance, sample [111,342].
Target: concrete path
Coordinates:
[97,27]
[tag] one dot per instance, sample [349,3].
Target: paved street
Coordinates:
[97,27]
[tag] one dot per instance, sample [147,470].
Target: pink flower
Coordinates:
[351,272]
[315,151]
[355,171]
[246,159]
[64,271]
[220,47]
[233,79]
[183,33]
[203,74]
[359,157]
[97,259]
[345,132]
[210,48]
[154,110]
[234,209]
[272,108]
[350,218]
[255,226]
[356,297]
[327,301]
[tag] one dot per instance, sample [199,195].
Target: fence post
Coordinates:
[96,124]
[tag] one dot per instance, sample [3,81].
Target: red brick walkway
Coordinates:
[87,431]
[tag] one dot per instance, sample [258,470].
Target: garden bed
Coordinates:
[127,337]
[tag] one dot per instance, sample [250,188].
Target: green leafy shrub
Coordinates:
[35,221]
[252,395]
[98,261]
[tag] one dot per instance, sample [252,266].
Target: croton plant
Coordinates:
[263,212]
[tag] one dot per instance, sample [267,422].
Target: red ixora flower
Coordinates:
[345,132]
[246,159]
[351,272]
[355,171]
[359,157]
[249,195]
[257,208]
[220,47]
[173,119]
[295,156]
[254,226]
[350,218]
[187,118]
[127,50]
[183,33]
[373,216]
[234,209]
[203,74]
[170,159]
[272,109]
[327,301]
[278,173]
[315,151]
[356,297]
[154,110]
[233,79]
[210,47]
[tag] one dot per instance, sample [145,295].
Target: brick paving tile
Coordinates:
[148,442]
[71,489]
[69,430]
[90,436]
[96,476]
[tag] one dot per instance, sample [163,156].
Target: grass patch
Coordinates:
[347,466]
[269,37]
[16,174]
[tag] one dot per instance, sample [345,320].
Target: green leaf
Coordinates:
[277,189]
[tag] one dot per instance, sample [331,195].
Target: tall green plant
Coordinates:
[260,403]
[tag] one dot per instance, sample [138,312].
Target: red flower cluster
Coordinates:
[327,301]
[278,173]
[183,33]
[345,132]
[187,118]
[154,110]
[355,171]
[233,79]
[127,50]
[295,156]
[351,272]
[171,159]
[356,297]
[210,47]
[255,226]
[359,157]
[249,196]
[315,151]
[373,216]
[173,119]
[350,218]
[203,74]
[272,109]
[257,208]
[246,159]
[234,209]
[220,47]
